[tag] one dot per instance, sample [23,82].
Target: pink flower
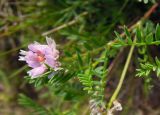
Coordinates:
[39,56]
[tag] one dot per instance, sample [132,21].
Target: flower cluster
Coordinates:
[40,56]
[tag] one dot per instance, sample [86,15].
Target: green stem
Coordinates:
[115,94]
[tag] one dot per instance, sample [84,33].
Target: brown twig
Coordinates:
[64,25]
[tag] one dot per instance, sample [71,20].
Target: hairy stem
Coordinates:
[115,94]
[146,16]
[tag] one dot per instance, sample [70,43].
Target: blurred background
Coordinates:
[74,24]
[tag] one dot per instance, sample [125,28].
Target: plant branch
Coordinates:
[115,94]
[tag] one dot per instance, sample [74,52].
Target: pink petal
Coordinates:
[33,64]
[37,48]
[37,71]
[31,59]
[31,56]
[52,63]
[52,53]
[51,43]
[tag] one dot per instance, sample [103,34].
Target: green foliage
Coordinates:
[92,72]
[147,38]
[157,34]
[147,68]
[151,38]
[86,80]
[29,103]
[94,79]
[53,78]
[87,48]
